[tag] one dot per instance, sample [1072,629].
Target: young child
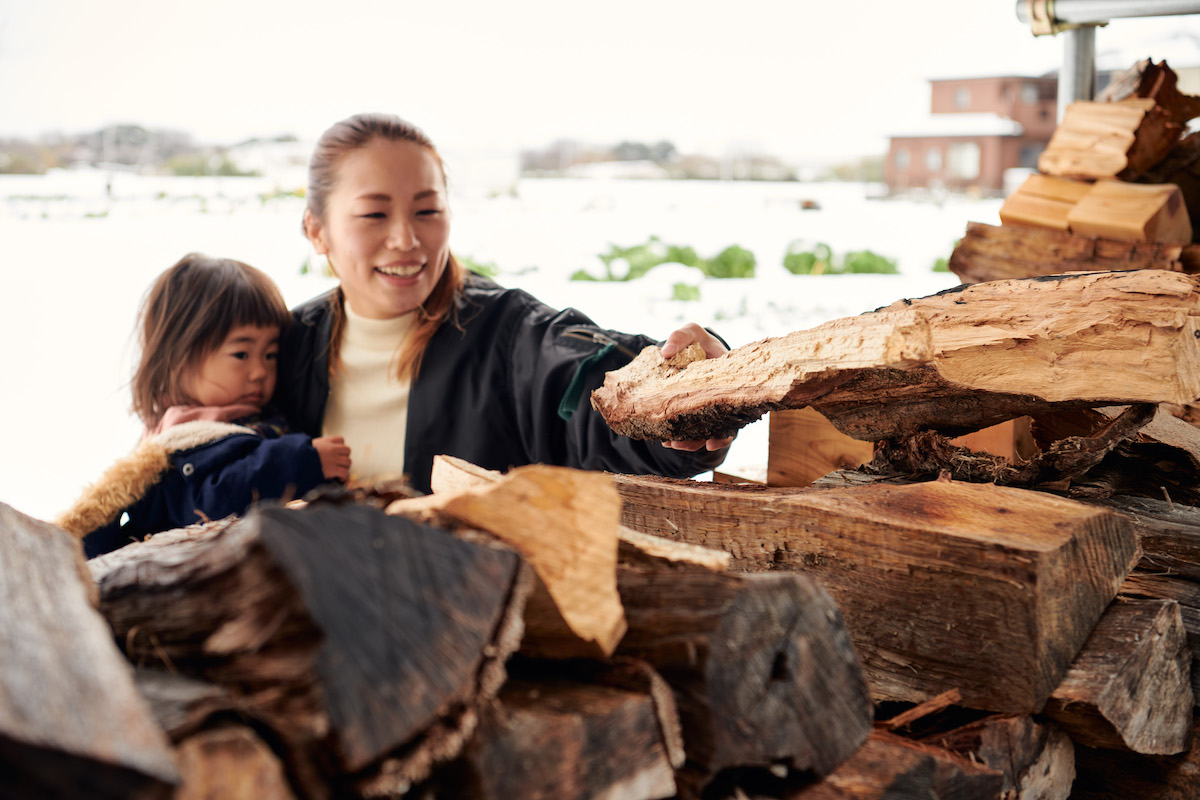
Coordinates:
[209,337]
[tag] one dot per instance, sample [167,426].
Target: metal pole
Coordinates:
[1082,12]
[1077,79]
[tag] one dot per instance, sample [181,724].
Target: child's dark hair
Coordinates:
[186,315]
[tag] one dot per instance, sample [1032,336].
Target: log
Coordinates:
[1109,140]
[364,641]
[230,763]
[607,738]
[761,667]
[1149,585]
[1115,775]
[1000,350]
[1169,533]
[1132,212]
[1036,759]
[1130,686]
[1043,201]
[1157,82]
[72,723]
[993,253]
[942,584]
[1182,168]
[805,446]
[890,767]
[564,523]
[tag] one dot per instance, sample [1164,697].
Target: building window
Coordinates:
[962,98]
[933,159]
[962,161]
[901,158]
[1029,93]
[1029,155]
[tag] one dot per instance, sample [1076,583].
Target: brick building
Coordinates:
[977,129]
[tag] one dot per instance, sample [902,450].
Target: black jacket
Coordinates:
[490,388]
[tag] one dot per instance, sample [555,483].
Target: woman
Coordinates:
[412,357]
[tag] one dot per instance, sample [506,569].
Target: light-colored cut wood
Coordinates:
[804,446]
[230,763]
[999,350]
[1109,140]
[1135,212]
[943,585]
[564,522]
[1043,201]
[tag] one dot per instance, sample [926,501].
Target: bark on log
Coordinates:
[1157,82]
[942,584]
[890,767]
[72,723]
[564,523]
[1114,775]
[1169,533]
[1130,686]
[1120,140]
[761,665]
[357,636]
[1036,759]
[607,738]
[1006,252]
[1000,350]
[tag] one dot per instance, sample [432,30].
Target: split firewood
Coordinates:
[1004,252]
[1145,584]
[72,723]
[1169,533]
[230,763]
[1036,759]
[1043,201]
[1120,140]
[564,523]
[1130,686]
[805,446]
[611,734]
[320,621]
[1157,82]
[761,666]
[999,350]
[942,584]
[1132,212]
[451,475]
[890,767]
[1115,775]
[1182,168]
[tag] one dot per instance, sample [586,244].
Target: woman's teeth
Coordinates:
[405,271]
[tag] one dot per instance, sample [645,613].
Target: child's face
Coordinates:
[240,371]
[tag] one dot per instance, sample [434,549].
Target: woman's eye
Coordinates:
[429,212]
[272,356]
[240,355]
[373,215]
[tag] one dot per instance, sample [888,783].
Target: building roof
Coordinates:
[964,124]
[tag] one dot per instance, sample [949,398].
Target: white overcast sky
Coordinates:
[804,78]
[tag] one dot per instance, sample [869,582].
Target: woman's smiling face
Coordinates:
[386,227]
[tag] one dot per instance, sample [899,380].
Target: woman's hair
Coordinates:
[344,137]
[186,315]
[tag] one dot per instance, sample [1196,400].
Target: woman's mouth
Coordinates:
[401,270]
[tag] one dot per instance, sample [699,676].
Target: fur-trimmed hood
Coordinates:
[132,476]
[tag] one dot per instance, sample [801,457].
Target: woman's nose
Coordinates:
[402,236]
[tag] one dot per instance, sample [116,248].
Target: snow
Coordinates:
[82,247]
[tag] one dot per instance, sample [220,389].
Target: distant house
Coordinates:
[977,129]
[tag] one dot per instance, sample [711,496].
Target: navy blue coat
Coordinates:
[212,480]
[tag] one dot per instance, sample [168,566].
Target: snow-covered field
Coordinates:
[77,260]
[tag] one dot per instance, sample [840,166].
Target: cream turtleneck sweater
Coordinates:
[368,404]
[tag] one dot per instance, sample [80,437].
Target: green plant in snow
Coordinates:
[732,262]
[868,261]
[801,261]
[685,292]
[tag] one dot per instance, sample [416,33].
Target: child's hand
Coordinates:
[335,457]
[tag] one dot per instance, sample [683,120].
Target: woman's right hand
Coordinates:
[335,457]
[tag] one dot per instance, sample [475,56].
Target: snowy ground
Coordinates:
[78,261]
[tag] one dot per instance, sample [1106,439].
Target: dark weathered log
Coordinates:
[994,253]
[1151,585]
[1115,775]
[72,723]
[230,763]
[890,767]
[1120,140]
[355,635]
[1000,350]
[559,737]
[564,523]
[942,584]
[1157,82]
[762,667]
[1169,533]
[1130,686]
[1036,759]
